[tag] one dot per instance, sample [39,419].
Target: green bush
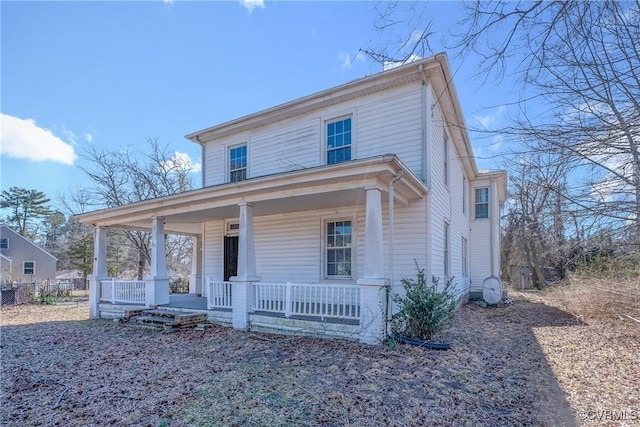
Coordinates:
[424,310]
[46,299]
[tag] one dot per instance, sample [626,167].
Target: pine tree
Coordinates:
[26,207]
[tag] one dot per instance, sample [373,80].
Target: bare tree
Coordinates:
[576,65]
[579,60]
[127,176]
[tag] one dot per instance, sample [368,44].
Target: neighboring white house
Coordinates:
[311,207]
[21,260]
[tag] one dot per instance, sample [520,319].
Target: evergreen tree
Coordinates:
[26,208]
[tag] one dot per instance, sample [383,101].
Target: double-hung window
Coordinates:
[238,163]
[339,141]
[339,249]
[482,202]
[28,267]
[4,243]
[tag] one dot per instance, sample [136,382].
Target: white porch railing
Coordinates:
[219,294]
[123,291]
[320,300]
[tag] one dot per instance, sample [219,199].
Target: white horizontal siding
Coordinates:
[285,148]
[214,164]
[410,239]
[393,124]
[446,204]
[288,247]
[479,253]
[387,122]
[213,247]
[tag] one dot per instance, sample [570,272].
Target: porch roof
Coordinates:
[328,186]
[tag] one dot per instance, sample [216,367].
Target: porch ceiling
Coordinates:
[323,187]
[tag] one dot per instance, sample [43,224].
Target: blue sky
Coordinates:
[113,74]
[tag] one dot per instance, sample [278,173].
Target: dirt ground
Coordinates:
[533,363]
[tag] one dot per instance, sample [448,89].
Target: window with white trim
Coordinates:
[482,202]
[465,257]
[339,141]
[28,267]
[338,247]
[447,268]
[4,243]
[238,163]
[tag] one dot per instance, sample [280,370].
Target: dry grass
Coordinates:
[601,300]
[529,363]
[598,366]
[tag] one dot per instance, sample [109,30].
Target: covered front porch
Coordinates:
[245,300]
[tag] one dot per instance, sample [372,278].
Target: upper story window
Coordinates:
[339,141]
[4,243]
[338,249]
[29,267]
[482,202]
[238,163]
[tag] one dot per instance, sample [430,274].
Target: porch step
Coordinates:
[167,320]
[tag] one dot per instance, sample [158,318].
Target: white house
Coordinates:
[309,209]
[23,261]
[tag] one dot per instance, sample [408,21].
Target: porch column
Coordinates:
[241,294]
[373,294]
[99,270]
[157,287]
[195,278]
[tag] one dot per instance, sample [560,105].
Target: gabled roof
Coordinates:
[435,69]
[3,230]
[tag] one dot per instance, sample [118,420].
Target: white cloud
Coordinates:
[182,161]
[71,137]
[169,2]
[88,137]
[346,61]
[497,142]
[252,4]
[23,139]
[490,120]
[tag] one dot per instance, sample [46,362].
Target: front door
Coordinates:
[230,257]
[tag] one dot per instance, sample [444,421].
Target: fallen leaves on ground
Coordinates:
[529,363]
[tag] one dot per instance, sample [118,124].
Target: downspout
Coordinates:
[398,176]
[202,144]
[492,195]
[423,146]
